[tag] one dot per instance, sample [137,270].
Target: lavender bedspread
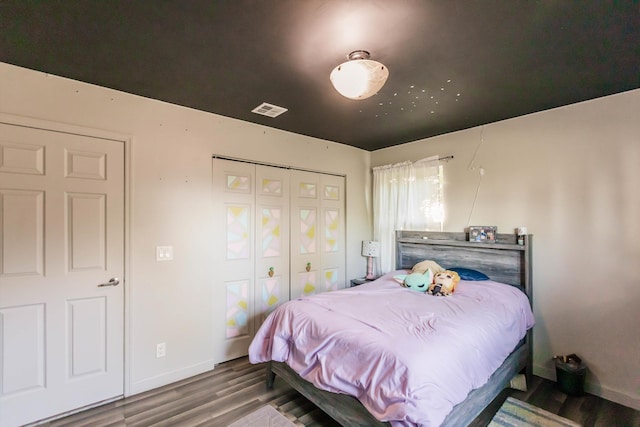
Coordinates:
[408,357]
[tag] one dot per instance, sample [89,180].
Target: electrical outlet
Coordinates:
[161,350]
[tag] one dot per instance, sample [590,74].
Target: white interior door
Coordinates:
[62,235]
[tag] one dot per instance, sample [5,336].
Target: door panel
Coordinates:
[22,232]
[62,234]
[86,225]
[87,336]
[272,240]
[23,363]
[317,233]
[333,232]
[233,284]
[305,227]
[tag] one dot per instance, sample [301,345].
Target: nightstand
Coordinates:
[356,282]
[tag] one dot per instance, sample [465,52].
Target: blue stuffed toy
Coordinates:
[416,281]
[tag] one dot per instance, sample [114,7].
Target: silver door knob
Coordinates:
[112,282]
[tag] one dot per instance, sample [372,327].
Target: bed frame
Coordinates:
[503,261]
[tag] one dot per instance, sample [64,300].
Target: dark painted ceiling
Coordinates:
[452,64]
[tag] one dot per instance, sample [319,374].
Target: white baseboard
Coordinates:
[170,377]
[596,389]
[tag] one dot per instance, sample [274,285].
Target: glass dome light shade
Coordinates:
[359,78]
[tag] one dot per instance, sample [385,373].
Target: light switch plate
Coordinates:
[161,350]
[164,253]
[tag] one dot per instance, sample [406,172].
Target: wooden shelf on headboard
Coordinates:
[507,246]
[461,237]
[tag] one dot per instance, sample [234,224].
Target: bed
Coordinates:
[427,397]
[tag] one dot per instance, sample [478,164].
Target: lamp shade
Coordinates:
[360,77]
[370,248]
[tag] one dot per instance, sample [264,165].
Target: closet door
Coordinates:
[251,241]
[333,236]
[317,233]
[233,281]
[272,240]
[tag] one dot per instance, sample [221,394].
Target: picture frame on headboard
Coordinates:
[483,233]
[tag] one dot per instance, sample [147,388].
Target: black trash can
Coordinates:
[570,374]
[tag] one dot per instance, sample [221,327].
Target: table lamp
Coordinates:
[370,250]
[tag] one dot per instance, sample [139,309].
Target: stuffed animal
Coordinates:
[444,283]
[422,266]
[416,281]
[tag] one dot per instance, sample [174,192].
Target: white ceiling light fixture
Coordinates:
[359,77]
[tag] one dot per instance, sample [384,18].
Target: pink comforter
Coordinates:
[408,357]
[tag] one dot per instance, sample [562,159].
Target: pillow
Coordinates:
[469,274]
[425,265]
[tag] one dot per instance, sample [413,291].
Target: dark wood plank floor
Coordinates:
[236,388]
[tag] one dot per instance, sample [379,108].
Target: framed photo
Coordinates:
[483,233]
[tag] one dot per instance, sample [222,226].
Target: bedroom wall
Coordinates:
[571,176]
[171,203]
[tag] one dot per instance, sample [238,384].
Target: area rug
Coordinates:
[267,416]
[514,413]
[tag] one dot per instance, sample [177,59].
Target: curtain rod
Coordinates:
[425,160]
[432,159]
[253,162]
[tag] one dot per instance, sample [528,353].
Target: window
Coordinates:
[406,196]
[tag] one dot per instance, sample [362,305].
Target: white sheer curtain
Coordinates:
[406,196]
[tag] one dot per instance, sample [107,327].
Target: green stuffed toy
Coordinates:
[416,281]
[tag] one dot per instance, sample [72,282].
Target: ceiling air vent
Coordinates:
[269,110]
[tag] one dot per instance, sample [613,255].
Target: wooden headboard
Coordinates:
[503,261]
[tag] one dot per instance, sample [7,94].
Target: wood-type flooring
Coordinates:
[236,388]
